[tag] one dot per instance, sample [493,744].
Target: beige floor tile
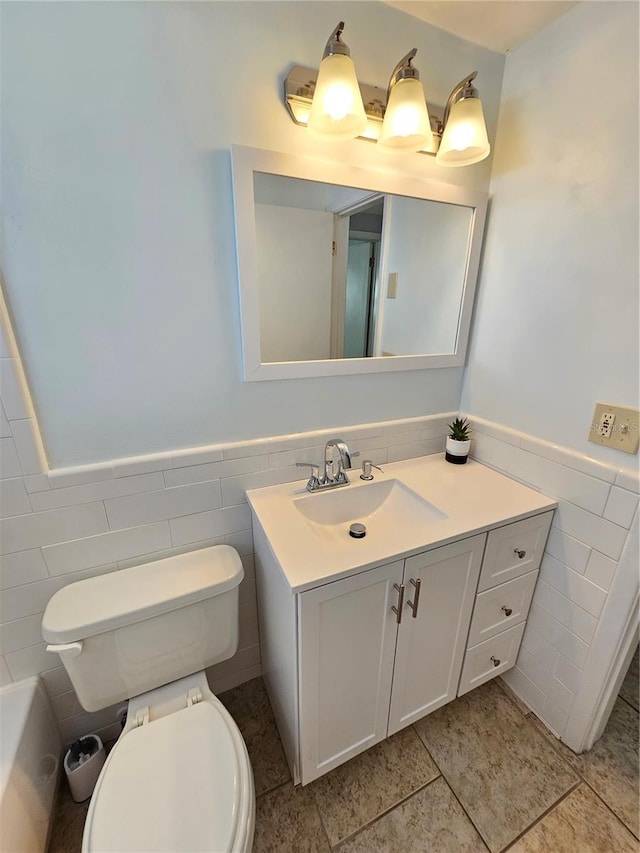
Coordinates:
[525,710]
[505,772]
[355,793]
[287,821]
[68,825]
[249,706]
[611,765]
[630,688]
[581,823]
[502,770]
[431,821]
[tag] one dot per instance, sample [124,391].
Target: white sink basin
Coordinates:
[413,505]
[378,503]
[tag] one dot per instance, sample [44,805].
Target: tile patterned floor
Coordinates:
[481,774]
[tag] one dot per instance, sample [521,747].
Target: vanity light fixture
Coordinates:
[406,125]
[333,105]
[337,111]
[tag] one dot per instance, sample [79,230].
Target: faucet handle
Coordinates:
[315,469]
[314,481]
[367,465]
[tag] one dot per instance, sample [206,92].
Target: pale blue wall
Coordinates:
[118,256]
[556,320]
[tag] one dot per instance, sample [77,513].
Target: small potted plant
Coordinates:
[458,441]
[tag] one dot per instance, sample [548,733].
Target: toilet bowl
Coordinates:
[179,777]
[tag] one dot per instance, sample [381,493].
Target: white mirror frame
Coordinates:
[246,161]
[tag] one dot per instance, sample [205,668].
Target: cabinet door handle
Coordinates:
[414,604]
[495,661]
[398,610]
[521,554]
[507,610]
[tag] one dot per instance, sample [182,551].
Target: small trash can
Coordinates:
[82,764]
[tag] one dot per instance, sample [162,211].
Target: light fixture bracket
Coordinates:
[463,90]
[334,45]
[404,70]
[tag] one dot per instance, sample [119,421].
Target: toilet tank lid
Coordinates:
[99,604]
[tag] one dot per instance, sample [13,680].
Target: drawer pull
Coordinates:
[507,610]
[495,661]
[521,554]
[398,610]
[414,604]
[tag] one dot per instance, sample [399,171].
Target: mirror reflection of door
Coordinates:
[346,272]
[359,296]
[358,283]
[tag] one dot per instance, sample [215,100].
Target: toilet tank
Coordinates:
[129,631]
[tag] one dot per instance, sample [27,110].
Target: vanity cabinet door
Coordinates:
[432,640]
[347,638]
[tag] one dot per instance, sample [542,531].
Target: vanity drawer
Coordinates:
[514,550]
[501,607]
[493,657]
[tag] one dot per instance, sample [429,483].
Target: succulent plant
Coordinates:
[460,430]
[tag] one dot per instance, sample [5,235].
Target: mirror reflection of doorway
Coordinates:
[361,262]
[365,234]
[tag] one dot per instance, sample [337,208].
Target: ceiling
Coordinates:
[499,25]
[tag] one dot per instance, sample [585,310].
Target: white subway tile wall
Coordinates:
[64,525]
[5,426]
[59,526]
[596,506]
[15,403]
[9,462]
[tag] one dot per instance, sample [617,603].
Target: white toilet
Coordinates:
[178,778]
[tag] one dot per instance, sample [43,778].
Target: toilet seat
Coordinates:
[182,782]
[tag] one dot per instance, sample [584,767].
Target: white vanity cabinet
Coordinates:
[375,655]
[352,653]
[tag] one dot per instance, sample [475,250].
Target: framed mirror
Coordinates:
[345,270]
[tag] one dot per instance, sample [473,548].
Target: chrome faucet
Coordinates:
[333,473]
[344,462]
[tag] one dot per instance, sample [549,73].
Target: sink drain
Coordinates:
[357,530]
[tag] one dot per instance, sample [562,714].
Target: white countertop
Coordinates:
[472,497]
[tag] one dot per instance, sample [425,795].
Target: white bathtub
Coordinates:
[30,752]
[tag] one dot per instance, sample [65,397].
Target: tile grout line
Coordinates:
[531,825]
[466,813]
[277,787]
[626,701]
[580,776]
[604,802]
[542,816]
[399,802]
[455,796]
[384,813]
[319,813]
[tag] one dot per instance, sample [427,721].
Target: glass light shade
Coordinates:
[465,139]
[406,124]
[337,111]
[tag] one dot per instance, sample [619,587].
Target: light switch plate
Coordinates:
[392,286]
[620,423]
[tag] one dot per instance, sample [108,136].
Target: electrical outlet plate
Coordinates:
[615,426]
